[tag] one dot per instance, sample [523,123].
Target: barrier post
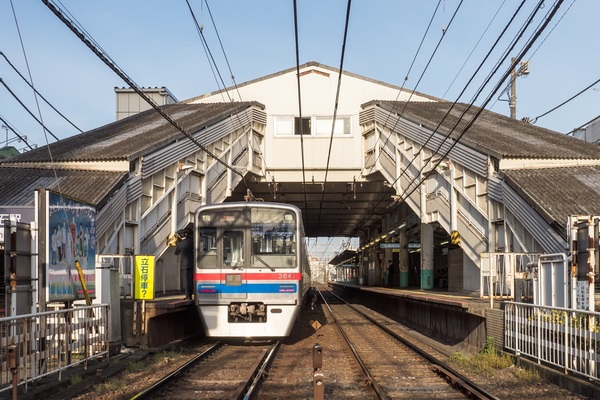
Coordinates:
[318,378]
[13,365]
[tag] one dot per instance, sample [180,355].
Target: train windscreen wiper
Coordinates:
[263,262]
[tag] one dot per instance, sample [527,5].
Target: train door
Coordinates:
[233,271]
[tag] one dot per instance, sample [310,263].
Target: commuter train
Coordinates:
[251,268]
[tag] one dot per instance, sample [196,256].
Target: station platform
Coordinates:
[154,323]
[459,320]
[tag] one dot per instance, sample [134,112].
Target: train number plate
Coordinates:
[233,280]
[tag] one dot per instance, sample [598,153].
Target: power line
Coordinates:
[22,138]
[27,109]
[424,70]
[88,41]
[38,93]
[300,107]
[417,180]
[565,102]
[335,108]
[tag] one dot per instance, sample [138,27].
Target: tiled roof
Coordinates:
[134,136]
[17,185]
[557,193]
[492,133]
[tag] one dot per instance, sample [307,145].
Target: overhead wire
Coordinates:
[418,180]
[39,94]
[372,211]
[422,74]
[335,108]
[41,122]
[367,217]
[223,50]
[406,77]
[235,84]
[212,59]
[534,120]
[215,68]
[89,42]
[508,83]
[473,49]
[296,39]
[22,138]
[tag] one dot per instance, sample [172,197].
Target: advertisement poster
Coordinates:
[71,237]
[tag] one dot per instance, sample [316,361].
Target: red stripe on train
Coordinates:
[252,276]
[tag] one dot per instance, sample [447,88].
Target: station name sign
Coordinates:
[15,214]
[389,245]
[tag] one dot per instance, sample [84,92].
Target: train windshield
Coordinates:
[273,238]
[227,237]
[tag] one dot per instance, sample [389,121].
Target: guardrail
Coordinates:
[36,345]
[563,337]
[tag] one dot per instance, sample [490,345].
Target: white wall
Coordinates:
[279,94]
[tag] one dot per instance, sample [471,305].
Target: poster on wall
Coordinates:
[71,237]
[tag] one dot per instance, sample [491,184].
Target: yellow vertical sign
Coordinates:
[144,277]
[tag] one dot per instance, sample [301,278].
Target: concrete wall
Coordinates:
[447,324]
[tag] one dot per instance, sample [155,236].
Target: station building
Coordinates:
[395,167]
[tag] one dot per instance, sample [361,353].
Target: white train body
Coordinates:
[251,268]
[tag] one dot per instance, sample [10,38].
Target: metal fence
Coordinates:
[563,337]
[36,345]
[507,275]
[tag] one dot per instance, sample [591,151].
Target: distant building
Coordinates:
[590,132]
[130,103]
[8,152]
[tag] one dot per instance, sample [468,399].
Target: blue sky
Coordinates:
[156,44]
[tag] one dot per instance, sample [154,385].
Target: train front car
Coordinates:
[249,269]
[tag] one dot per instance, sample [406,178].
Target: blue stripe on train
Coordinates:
[249,288]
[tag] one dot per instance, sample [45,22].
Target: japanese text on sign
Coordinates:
[144,277]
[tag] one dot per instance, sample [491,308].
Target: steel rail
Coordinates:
[262,371]
[149,391]
[370,380]
[450,374]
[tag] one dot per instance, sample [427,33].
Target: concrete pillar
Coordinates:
[426,256]
[403,258]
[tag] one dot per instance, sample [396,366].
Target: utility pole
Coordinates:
[523,70]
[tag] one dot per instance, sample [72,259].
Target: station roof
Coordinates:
[132,137]
[554,192]
[494,134]
[557,193]
[17,185]
[70,166]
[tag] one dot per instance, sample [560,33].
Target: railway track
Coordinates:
[394,366]
[223,371]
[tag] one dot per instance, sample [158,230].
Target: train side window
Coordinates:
[207,248]
[233,248]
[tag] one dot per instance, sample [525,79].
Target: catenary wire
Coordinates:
[28,110]
[365,220]
[112,65]
[566,101]
[414,180]
[335,108]
[300,108]
[473,49]
[407,75]
[422,73]
[21,137]
[38,93]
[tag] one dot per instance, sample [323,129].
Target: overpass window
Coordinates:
[290,126]
[341,128]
